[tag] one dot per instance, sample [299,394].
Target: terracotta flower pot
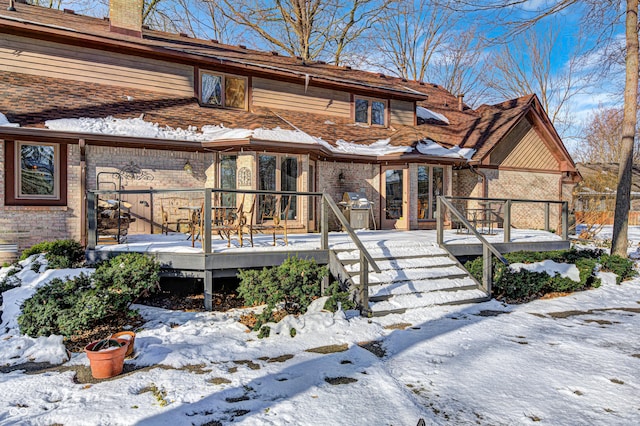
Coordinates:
[126,335]
[106,363]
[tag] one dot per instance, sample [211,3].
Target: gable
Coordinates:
[523,148]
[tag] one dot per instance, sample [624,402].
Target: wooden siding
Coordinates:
[283,95]
[402,112]
[523,148]
[531,153]
[37,57]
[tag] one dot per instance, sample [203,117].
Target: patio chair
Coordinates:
[232,223]
[196,224]
[170,217]
[273,216]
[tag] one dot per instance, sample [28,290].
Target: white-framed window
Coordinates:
[371,111]
[223,90]
[37,168]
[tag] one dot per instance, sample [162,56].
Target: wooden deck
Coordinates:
[178,258]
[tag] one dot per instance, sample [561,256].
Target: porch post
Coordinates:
[92,237]
[546,217]
[208,290]
[487,269]
[565,220]
[507,221]
[439,221]
[206,238]
[324,224]
[364,283]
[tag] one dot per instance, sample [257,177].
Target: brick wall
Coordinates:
[527,185]
[516,185]
[28,225]
[356,177]
[158,169]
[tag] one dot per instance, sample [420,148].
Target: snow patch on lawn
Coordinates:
[551,268]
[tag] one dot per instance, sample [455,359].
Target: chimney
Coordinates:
[125,17]
[460,102]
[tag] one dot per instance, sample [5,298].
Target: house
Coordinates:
[89,102]
[594,199]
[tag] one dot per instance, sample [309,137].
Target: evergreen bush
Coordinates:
[290,287]
[75,305]
[60,254]
[525,285]
[622,267]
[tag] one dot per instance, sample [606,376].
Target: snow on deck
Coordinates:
[403,243]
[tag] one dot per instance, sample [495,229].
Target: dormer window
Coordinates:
[223,90]
[371,111]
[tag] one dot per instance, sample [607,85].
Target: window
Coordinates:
[430,186]
[277,173]
[223,90]
[228,165]
[36,173]
[370,111]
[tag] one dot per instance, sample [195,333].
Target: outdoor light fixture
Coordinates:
[188,168]
[341,178]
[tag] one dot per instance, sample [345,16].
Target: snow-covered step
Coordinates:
[398,275]
[403,302]
[407,250]
[420,286]
[406,263]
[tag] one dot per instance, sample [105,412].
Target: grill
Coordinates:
[357,208]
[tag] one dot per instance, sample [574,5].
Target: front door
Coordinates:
[140,210]
[395,208]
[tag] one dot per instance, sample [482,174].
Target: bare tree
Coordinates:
[413,34]
[51,4]
[620,238]
[457,66]
[602,136]
[601,16]
[310,29]
[524,66]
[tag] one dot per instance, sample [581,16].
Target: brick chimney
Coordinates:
[460,102]
[125,17]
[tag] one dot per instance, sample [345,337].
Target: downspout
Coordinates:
[83,192]
[483,177]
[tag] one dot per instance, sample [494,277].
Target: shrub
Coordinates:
[75,305]
[290,287]
[60,254]
[525,285]
[622,267]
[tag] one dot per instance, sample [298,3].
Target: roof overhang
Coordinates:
[74,37]
[249,144]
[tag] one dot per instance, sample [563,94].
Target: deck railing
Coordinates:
[443,204]
[508,203]
[326,204]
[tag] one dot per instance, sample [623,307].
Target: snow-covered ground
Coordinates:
[564,361]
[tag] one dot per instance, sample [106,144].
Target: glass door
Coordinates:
[394,197]
[311,186]
[277,173]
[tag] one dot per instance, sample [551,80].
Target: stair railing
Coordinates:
[487,248]
[366,259]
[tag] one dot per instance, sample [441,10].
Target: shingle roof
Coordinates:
[31,100]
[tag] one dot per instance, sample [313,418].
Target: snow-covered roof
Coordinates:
[427,114]
[5,123]
[138,127]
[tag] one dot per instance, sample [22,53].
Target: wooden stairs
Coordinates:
[413,276]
